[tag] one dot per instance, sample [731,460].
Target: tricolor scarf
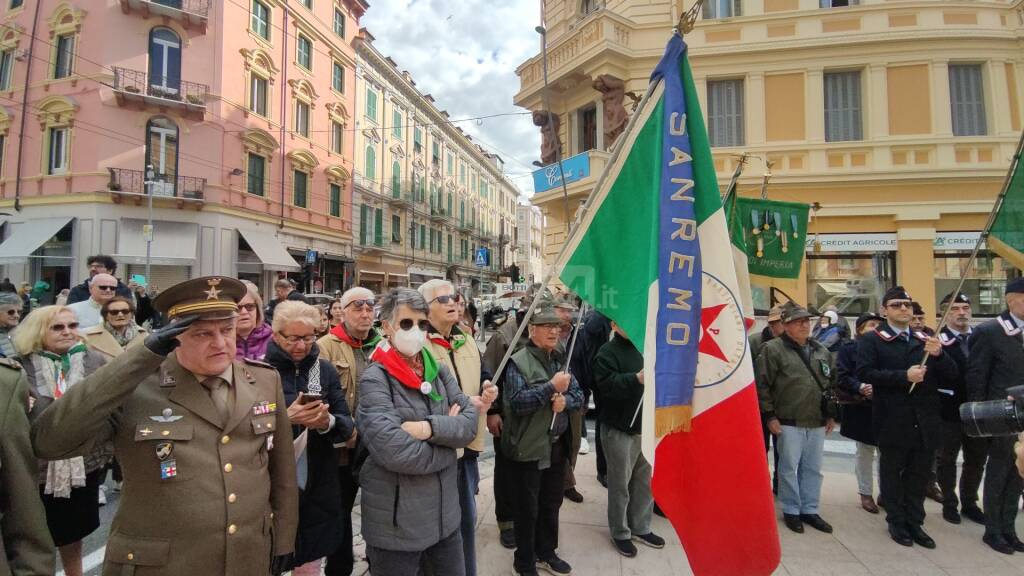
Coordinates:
[58,372]
[458,339]
[399,369]
[371,340]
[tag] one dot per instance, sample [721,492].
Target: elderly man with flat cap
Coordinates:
[996,363]
[906,411]
[203,439]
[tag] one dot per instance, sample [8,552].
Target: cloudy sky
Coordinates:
[464,53]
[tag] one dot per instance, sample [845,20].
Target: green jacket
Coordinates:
[785,385]
[26,548]
[615,368]
[526,437]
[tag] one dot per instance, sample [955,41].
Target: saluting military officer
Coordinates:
[204,441]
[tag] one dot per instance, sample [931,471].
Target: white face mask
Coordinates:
[409,342]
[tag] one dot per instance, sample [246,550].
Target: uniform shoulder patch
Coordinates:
[885,334]
[10,363]
[259,363]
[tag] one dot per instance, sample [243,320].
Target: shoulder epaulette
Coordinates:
[919,335]
[1008,325]
[946,338]
[259,363]
[885,334]
[10,363]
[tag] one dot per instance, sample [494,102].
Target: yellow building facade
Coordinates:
[895,120]
[428,201]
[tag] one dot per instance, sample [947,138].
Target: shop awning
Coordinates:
[28,237]
[174,243]
[269,250]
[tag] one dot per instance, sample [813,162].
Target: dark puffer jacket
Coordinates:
[320,521]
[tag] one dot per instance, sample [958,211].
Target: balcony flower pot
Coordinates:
[194,100]
[132,89]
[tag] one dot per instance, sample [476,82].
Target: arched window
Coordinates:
[162,154]
[164,62]
[396,180]
[371,163]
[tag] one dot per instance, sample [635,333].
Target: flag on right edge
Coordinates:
[653,254]
[1006,237]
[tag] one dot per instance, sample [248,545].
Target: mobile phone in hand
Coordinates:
[306,398]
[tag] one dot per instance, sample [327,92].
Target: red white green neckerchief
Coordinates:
[396,366]
[458,339]
[370,341]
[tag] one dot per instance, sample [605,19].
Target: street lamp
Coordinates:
[147,232]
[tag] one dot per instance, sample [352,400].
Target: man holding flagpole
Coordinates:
[907,409]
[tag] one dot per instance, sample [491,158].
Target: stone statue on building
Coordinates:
[613,90]
[550,145]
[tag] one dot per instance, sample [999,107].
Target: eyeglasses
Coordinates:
[107,288]
[900,304]
[247,307]
[446,299]
[293,340]
[62,327]
[119,312]
[357,304]
[406,324]
[14,312]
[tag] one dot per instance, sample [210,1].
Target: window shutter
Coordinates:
[842,106]
[363,223]
[967,100]
[378,229]
[737,7]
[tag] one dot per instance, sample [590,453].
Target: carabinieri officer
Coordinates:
[204,441]
[906,412]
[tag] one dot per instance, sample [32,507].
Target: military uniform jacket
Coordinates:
[901,417]
[997,359]
[25,545]
[956,394]
[199,496]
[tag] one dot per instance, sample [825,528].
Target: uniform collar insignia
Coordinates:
[885,334]
[1008,324]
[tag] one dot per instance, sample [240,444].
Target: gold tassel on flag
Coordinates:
[672,419]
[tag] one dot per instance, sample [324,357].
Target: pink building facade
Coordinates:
[234,114]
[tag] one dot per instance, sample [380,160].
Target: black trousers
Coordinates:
[770,441]
[1002,487]
[538,500]
[904,474]
[504,488]
[341,562]
[975,452]
[602,464]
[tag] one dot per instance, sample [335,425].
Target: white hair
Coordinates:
[429,288]
[356,293]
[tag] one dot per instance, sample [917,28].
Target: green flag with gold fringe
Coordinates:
[773,233]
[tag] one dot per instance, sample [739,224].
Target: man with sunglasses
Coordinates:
[98,264]
[348,347]
[102,288]
[10,315]
[458,351]
[906,407]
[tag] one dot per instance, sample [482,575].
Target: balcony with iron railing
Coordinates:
[125,182]
[134,86]
[190,13]
[399,194]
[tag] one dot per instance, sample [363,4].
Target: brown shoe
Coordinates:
[868,503]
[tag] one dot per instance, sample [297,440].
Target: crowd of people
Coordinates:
[241,432]
[897,387]
[233,425]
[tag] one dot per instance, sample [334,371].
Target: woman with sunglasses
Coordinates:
[413,417]
[118,330]
[55,359]
[252,333]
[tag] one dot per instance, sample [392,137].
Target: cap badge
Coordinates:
[213,293]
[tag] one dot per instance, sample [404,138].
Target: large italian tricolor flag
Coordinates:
[653,253]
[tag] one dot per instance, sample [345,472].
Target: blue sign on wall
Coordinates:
[549,177]
[483,258]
